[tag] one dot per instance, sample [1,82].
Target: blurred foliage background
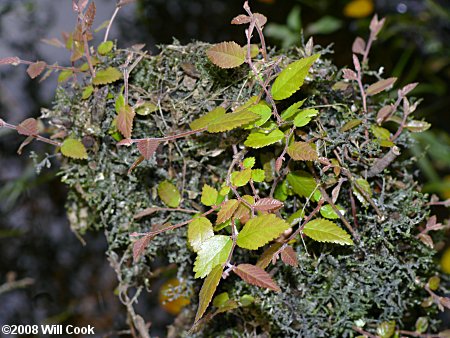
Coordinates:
[68,283]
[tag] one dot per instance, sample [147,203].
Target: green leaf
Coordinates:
[304,117]
[74,149]
[105,47]
[106,76]
[227,210]
[241,178]
[146,109]
[386,329]
[380,133]
[263,111]
[328,212]
[64,75]
[303,184]
[258,175]
[246,300]
[199,230]
[281,191]
[220,299]
[226,54]
[292,110]
[209,195]
[292,77]
[325,25]
[249,162]
[260,230]
[120,102]
[259,139]
[296,216]
[416,126]
[206,119]
[87,91]
[208,289]
[213,251]
[422,324]
[231,121]
[302,151]
[365,186]
[350,125]
[322,230]
[169,194]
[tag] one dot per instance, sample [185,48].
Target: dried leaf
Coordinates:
[135,164]
[227,210]
[169,194]
[74,149]
[302,151]
[268,204]
[207,291]
[12,60]
[289,256]
[125,121]
[267,256]
[359,46]
[240,19]
[139,247]
[147,147]
[35,69]
[106,76]
[146,212]
[28,127]
[381,85]
[349,74]
[254,275]
[226,54]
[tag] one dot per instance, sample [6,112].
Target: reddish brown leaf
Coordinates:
[349,74]
[376,25]
[35,69]
[383,113]
[240,19]
[445,302]
[139,246]
[227,210]
[278,164]
[90,14]
[260,19]
[289,256]
[267,256]
[302,151]
[408,88]
[147,147]
[24,143]
[359,45]
[125,142]
[356,63]
[268,204]
[426,239]
[125,120]
[379,86]
[135,164]
[254,275]
[28,127]
[12,60]
[146,212]
[226,54]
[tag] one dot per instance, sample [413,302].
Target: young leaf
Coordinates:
[226,54]
[139,247]
[303,184]
[106,76]
[292,77]
[260,230]
[28,127]
[213,251]
[322,230]
[359,46]
[241,19]
[74,149]
[302,151]
[147,147]
[249,162]
[258,175]
[363,185]
[105,47]
[242,213]
[227,210]
[304,117]
[292,110]
[169,194]
[379,86]
[207,291]
[241,178]
[125,120]
[87,92]
[199,230]
[254,275]
[35,69]
[264,112]
[268,204]
[11,60]
[259,139]
[209,195]
[206,119]
[231,121]
[289,256]
[383,113]
[349,74]
[267,256]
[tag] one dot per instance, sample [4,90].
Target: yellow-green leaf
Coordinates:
[106,76]
[380,133]
[292,110]
[327,211]
[221,299]
[64,75]
[303,184]
[231,121]
[386,329]
[322,230]
[350,125]
[302,151]
[209,195]
[249,162]
[363,185]
[87,92]
[206,119]
[146,109]
[304,117]
[169,194]
[292,77]
[258,175]
[208,289]
[199,230]
[260,230]
[213,251]
[105,47]
[241,178]
[226,54]
[74,149]
[264,112]
[227,210]
[259,139]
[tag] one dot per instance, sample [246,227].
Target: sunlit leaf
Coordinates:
[322,230]
[226,54]
[146,109]
[106,76]
[249,162]
[209,195]
[125,120]
[213,251]
[264,112]
[206,119]
[169,194]
[74,149]
[304,117]
[199,230]
[231,121]
[259,139]
[302,151]
[207,291]
[227,210]
[254,275]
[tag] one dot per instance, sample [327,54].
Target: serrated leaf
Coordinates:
[379,86]
[147,147]
[146,109]
[292,110]
[209,195]
[254,275]
[125,120]
[302,151]
[87,92]
[322,230]
[350,125]
[267,204]
[10,60]
[207,291]
[304,117]
[213,251]
[28,127]
[259,139]
[303,184]
[268,255]
[327,211]
[292,77]
[119,103]
[260,230]
[105,47]
[64,75]
[139,247]
[105,76]
[35,69]
[258,175]
[169,194]
[289,256]
[242,213]
[227,210]
[263,111]
[226,54]
[206,119]
[74,149]
[199,230]
[231,121]
[241,178]
[249,162]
